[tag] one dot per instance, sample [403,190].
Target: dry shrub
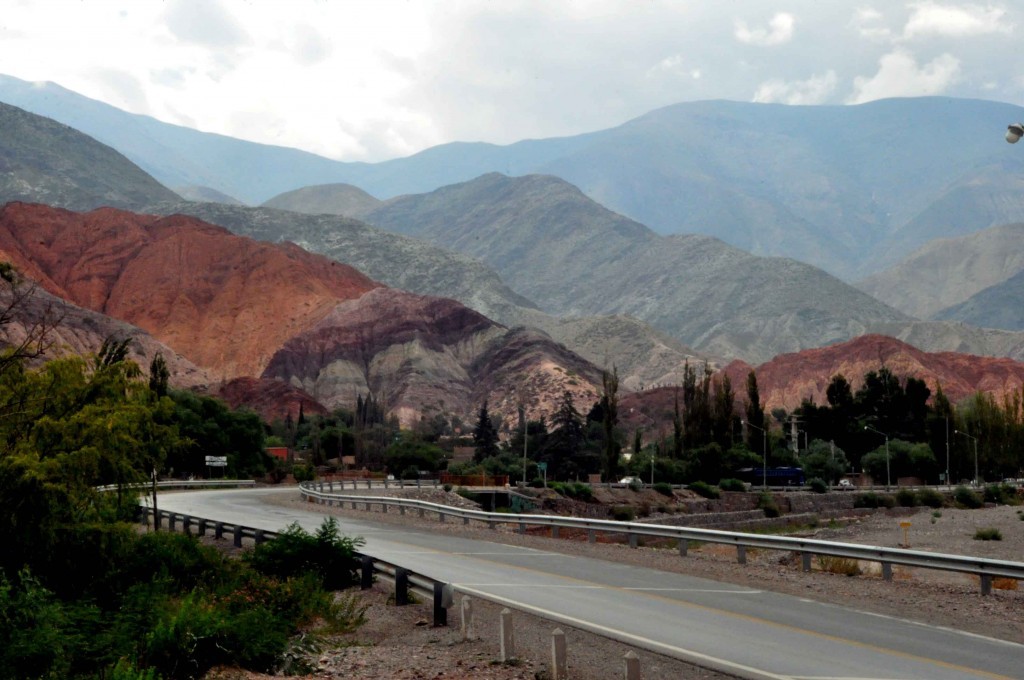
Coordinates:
[838,565]
[1004,583]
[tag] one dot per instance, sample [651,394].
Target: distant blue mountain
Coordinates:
[847,188]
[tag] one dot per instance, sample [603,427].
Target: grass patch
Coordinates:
[844,566]
[988,534]
[704,489]
[731,484]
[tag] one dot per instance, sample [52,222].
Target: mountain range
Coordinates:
[241,308]
[535,252]
[851,189]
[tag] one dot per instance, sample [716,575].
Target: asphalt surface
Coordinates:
[751,633]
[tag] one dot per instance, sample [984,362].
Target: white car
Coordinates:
[845,484]
[631,480]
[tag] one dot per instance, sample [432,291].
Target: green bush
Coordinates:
[906,498]
[582,491]
[817,485]
[989,534]
[870,499]
[536,483]
[704,489]
[623,513]
[730,484]
[766,502]
[1002,494]
[966,498]
[931,498]
[303,472]
[664,488]
[295,552]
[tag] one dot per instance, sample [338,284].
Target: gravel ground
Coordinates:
[398,642]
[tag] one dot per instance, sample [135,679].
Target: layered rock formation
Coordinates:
[789,378]
[225,302]
[275,326]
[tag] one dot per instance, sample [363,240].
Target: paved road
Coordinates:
[752,633]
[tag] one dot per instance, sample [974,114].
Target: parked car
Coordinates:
[631,481]
[845,484]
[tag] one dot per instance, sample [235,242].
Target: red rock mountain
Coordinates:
[276,326]
[225,302]
[789,378]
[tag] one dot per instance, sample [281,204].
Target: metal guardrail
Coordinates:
[405,580]
[183,484]
[986,569]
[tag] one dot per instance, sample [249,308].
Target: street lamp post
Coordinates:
[764,453]
[975,439]
[888,479]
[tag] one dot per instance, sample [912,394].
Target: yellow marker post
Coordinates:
[906,534]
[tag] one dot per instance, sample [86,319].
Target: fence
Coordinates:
[405,580]
[985,569]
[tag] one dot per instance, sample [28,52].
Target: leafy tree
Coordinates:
[211,428]
[754,411]
[610,405]
[485,436]
[159,374]
[411,452]
[824,460]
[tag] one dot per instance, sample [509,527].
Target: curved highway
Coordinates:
[751,633]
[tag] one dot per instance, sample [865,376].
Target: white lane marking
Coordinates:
[705,660]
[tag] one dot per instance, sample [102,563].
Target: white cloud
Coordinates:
[673,66]
[815,90]
[869,24]
[929,19]
[900,76]
[778,32]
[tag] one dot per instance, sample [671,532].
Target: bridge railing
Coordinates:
[984,568]
[404,580]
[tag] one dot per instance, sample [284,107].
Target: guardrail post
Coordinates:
[171,521]
[741,554]
[237,534]
[201,528]
[440,517]
[491,524]
[259,536]
[684,545]
[554,532]
[369,483]
[442,600]
[401,587]
[591,536]
[401,510]
[632,663]
[465,520]
[386,483]
[353,505]
[419,483]
[633,540]
[887,571]
[186,525]
[384,508]
[218,530]
[508,638]
[986,584]
[421,511]
[805,559]
[522,527]
[559,668]
[467,618]
[157,520]
[330,486]
[366,574]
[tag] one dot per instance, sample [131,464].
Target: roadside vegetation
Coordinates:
[85,594]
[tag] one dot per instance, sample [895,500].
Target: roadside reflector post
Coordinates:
[401,587]
[741,554]
[508,639]
[467,618]
[632,665]
[887,571]
[805,558]
[559,667]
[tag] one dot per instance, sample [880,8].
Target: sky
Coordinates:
[371,80]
